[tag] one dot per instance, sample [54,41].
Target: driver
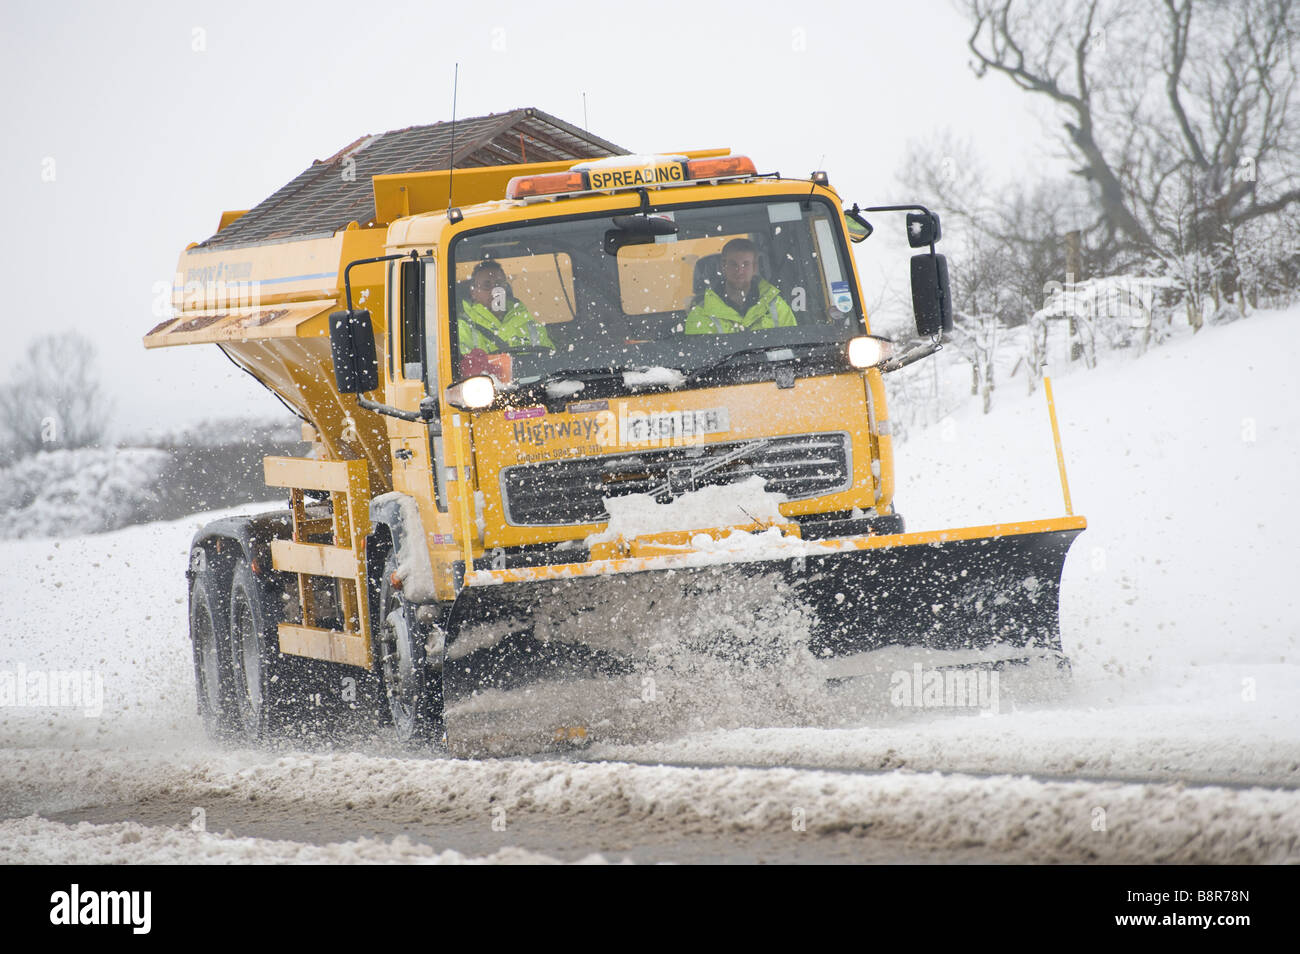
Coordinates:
[747,301]
[491,320]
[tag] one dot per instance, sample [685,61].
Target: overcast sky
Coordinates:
[153,118]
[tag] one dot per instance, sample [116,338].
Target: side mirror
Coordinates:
[931,296]
[923,229]
[352,346]
[859,229]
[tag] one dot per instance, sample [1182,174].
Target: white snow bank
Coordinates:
[1055,820]
[36,841]
[71,492]
[1076,737]
[738,504]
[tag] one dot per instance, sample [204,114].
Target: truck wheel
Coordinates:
[211,676]
[412,687]
[255,662]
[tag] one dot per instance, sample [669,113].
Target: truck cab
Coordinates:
[643,390]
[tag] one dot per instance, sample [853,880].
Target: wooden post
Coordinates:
[1074,273]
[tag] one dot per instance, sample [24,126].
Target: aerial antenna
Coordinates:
[451,159]
[585,127]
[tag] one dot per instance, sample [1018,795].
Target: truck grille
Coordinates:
[555,493]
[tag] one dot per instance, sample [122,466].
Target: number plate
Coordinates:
[669,426]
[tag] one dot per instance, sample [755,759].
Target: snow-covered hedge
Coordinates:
[1081,326]
[71,492]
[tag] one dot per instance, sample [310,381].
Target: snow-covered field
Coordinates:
[68,492]
[1179,739]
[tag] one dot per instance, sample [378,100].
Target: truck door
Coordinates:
[419,463]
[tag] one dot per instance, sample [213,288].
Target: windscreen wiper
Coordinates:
[573,374]
[710,464]
[709,368]
[580,374]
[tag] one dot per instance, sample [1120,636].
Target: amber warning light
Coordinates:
[599,177]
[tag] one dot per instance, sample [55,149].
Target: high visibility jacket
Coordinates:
[517,327]
[715,316]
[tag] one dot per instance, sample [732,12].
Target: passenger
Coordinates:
[492,320]
[747,301]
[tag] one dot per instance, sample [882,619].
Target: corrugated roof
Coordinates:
[338,190]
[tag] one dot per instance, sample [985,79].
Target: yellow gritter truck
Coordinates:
[589,432]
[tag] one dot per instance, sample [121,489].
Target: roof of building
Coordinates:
[335,191]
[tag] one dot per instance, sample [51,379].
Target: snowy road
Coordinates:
[1178,613]
[571,811]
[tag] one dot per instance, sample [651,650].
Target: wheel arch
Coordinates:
[396,523]
[218,547]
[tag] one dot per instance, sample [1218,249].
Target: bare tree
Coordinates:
[53,398]
[1180,115]
[1008,249]
[1017,227]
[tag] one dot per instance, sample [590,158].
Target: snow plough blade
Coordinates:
[625,650]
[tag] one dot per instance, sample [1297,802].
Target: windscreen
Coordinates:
[674,289]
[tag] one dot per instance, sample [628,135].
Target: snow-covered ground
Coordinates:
[1178,608]
[1178,613]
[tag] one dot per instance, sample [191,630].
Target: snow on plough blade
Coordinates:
[626,650]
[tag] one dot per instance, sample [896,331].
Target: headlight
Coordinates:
[867,352]
[472,394]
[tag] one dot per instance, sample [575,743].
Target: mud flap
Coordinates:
[623,656]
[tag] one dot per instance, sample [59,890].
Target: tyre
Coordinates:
[208,633]
[260,676]
[410,680]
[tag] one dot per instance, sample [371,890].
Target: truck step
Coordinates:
[331,645]
[315,559]
[332,475]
